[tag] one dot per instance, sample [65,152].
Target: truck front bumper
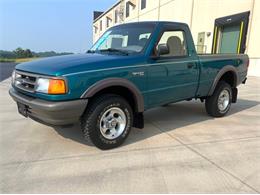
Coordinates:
[49,112]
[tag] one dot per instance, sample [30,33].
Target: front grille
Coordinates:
[25,81]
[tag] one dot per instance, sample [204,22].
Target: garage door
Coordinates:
[229,39]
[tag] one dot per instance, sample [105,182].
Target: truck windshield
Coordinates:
[124,39]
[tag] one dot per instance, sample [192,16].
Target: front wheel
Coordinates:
[219,103]
[107,121]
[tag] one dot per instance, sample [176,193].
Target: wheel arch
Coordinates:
[117,83]
[228,74]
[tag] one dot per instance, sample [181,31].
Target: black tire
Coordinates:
[211,104]
[91,120]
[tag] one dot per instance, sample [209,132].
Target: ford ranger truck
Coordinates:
[132,68]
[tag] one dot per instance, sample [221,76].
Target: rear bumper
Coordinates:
[50,112]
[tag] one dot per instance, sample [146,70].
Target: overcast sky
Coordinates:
[44,25]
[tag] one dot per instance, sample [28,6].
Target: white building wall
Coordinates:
[151,8]
[174,11]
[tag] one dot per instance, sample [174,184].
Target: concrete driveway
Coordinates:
[181,150]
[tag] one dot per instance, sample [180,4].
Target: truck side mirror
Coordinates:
[163,49]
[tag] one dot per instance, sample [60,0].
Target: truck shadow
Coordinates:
[172,117]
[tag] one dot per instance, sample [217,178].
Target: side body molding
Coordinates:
[222,71]
[116,82]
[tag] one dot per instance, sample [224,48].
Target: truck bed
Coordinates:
[211,64]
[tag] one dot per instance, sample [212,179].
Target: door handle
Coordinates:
[190,65]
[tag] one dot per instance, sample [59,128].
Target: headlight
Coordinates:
[13,76]
[51,86]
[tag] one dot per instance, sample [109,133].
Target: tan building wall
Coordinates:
[254,33]
[254,40]
[200,15]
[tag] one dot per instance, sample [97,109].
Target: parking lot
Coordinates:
[180,150]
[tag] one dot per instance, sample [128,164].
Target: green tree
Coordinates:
[28,53]
[19,52]
[23,53]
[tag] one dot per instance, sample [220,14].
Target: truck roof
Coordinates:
[154,22]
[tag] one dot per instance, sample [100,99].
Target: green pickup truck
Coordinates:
[132,68]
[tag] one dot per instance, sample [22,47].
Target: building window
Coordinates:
[108,21]
[127,11]
[116,16]
[143,4]
[96,29]
[129,5]
[100,25]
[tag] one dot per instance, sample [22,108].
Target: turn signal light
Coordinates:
[57,86]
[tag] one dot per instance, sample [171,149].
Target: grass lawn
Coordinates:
[6,60]
[18,60]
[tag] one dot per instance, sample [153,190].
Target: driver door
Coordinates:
[173,76]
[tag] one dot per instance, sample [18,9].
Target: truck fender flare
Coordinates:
[221,72]
[116,82]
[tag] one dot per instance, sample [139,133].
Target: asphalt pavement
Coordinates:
[180,150]
[6,70]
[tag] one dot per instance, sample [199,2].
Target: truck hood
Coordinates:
[61,65]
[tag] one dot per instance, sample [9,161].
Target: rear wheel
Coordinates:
[107,121]
[219,103]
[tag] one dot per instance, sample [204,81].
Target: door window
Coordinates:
[175,42]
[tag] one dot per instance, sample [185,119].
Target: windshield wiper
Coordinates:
[91,51]
[114,50]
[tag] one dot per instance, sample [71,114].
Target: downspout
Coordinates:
[138,11]
[191,20]
[159,10]
[251,17]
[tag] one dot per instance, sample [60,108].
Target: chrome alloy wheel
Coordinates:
[223,100]
[113,123]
